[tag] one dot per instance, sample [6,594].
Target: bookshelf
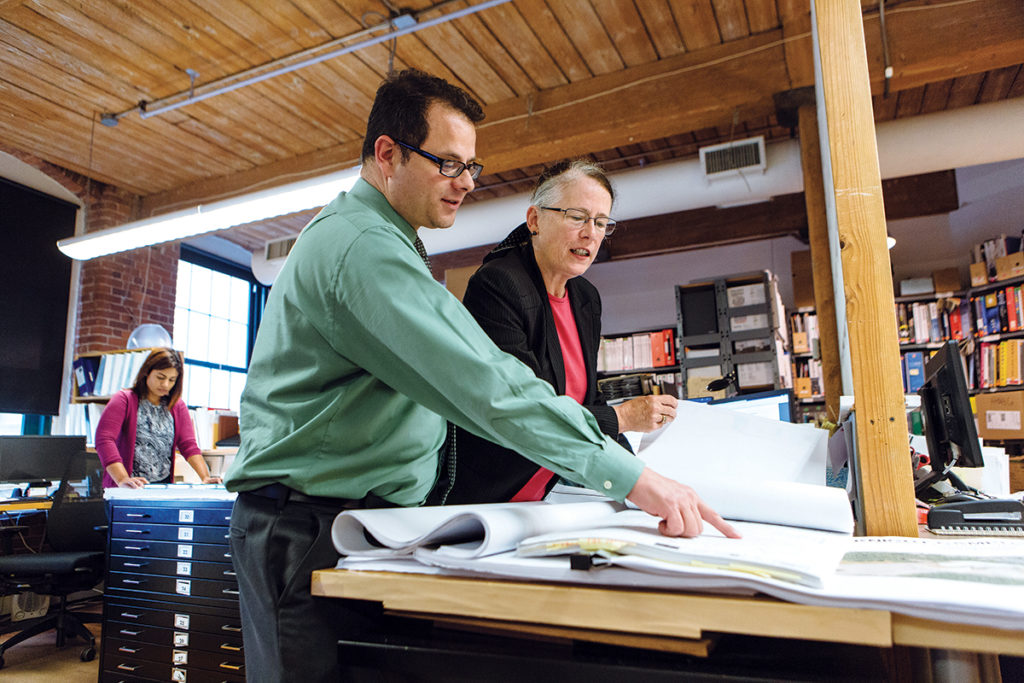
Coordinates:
[732,326]
[638,363]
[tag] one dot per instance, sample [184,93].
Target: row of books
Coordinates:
[106,374]
[637,351]
[1001,310]
[997,364]
[991,249]
[808,378]
[209,424]
[933,321]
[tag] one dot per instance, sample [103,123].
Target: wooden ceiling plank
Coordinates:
[935,96]
[909,102]
[623,23]
[885,107]
[931,43]
[531,32]
[581,24]
[657,17]
[964,91]
[762,15]
[732,21]
[450,45]
[696,22]
[1017,89]
[998,83]
[487,45]
[795,17]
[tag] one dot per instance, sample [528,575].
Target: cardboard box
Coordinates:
[803,279]
[1000,415]
[802,387]
[947,280]
[745,295]
[1011,265]
[800,344]
[979,274]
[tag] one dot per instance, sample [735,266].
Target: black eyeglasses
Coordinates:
[448,167]
[577,218]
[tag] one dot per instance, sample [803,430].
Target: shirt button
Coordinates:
[607,485]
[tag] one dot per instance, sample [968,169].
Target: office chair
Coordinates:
[76,528]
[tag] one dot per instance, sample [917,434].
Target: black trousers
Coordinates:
[289,635]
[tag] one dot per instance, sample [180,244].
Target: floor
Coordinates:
[38,660]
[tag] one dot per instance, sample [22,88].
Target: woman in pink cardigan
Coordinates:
[142,426]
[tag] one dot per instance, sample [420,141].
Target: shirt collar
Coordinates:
[372,197]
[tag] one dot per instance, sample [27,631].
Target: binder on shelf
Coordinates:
[85,369]
[914,363]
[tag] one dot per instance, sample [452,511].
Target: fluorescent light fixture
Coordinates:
[279,201]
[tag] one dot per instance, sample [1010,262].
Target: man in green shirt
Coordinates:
[360,359]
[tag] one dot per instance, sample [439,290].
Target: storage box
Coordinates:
[1000,415]
[946,280]
[800,343]
[979,274]
[916,285]
[1011,265]
[802,387]
[745,295]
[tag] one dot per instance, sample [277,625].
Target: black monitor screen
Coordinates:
[946,412]
[33,458]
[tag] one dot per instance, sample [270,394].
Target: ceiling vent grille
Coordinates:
[733,158]
[279,248]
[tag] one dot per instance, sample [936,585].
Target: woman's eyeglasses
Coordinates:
[577,218]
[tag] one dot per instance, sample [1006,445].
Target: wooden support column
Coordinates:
[821,259]
[886,479]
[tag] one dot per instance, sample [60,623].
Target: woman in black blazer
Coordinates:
[531,299]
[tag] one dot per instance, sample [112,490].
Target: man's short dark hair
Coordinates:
[400,108]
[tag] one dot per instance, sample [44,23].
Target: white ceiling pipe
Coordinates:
[968,136]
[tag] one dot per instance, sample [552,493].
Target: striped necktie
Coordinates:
[421,250]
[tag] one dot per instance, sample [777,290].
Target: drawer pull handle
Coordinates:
[136,564]
[228,591]
[129,650]
[129,615]
[230,648]
[229,665]
[228,572]
[134,582]
[140,515]
[125,667]
[127,632]
[233,629]
[136,531]
[136,547]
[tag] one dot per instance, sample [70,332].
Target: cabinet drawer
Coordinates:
[170,532]
[222,571]
[126,670]
[220,516]
[196,619]
[126,650]
[143,547]
[226,644]
[204,588]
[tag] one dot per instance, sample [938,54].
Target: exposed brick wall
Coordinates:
[121,291]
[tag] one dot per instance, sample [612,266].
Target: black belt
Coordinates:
[283,495]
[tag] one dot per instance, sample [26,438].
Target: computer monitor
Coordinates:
[37,458]
[948,420]
[774,405]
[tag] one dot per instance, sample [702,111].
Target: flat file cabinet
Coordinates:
[170,608]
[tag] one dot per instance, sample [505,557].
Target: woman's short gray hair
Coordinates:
[553,178]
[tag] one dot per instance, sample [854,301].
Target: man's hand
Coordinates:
[646,413]
[681,510]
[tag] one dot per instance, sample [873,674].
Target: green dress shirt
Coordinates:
[362,355]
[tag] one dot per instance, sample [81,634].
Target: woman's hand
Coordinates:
[646,413]
[132,483]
